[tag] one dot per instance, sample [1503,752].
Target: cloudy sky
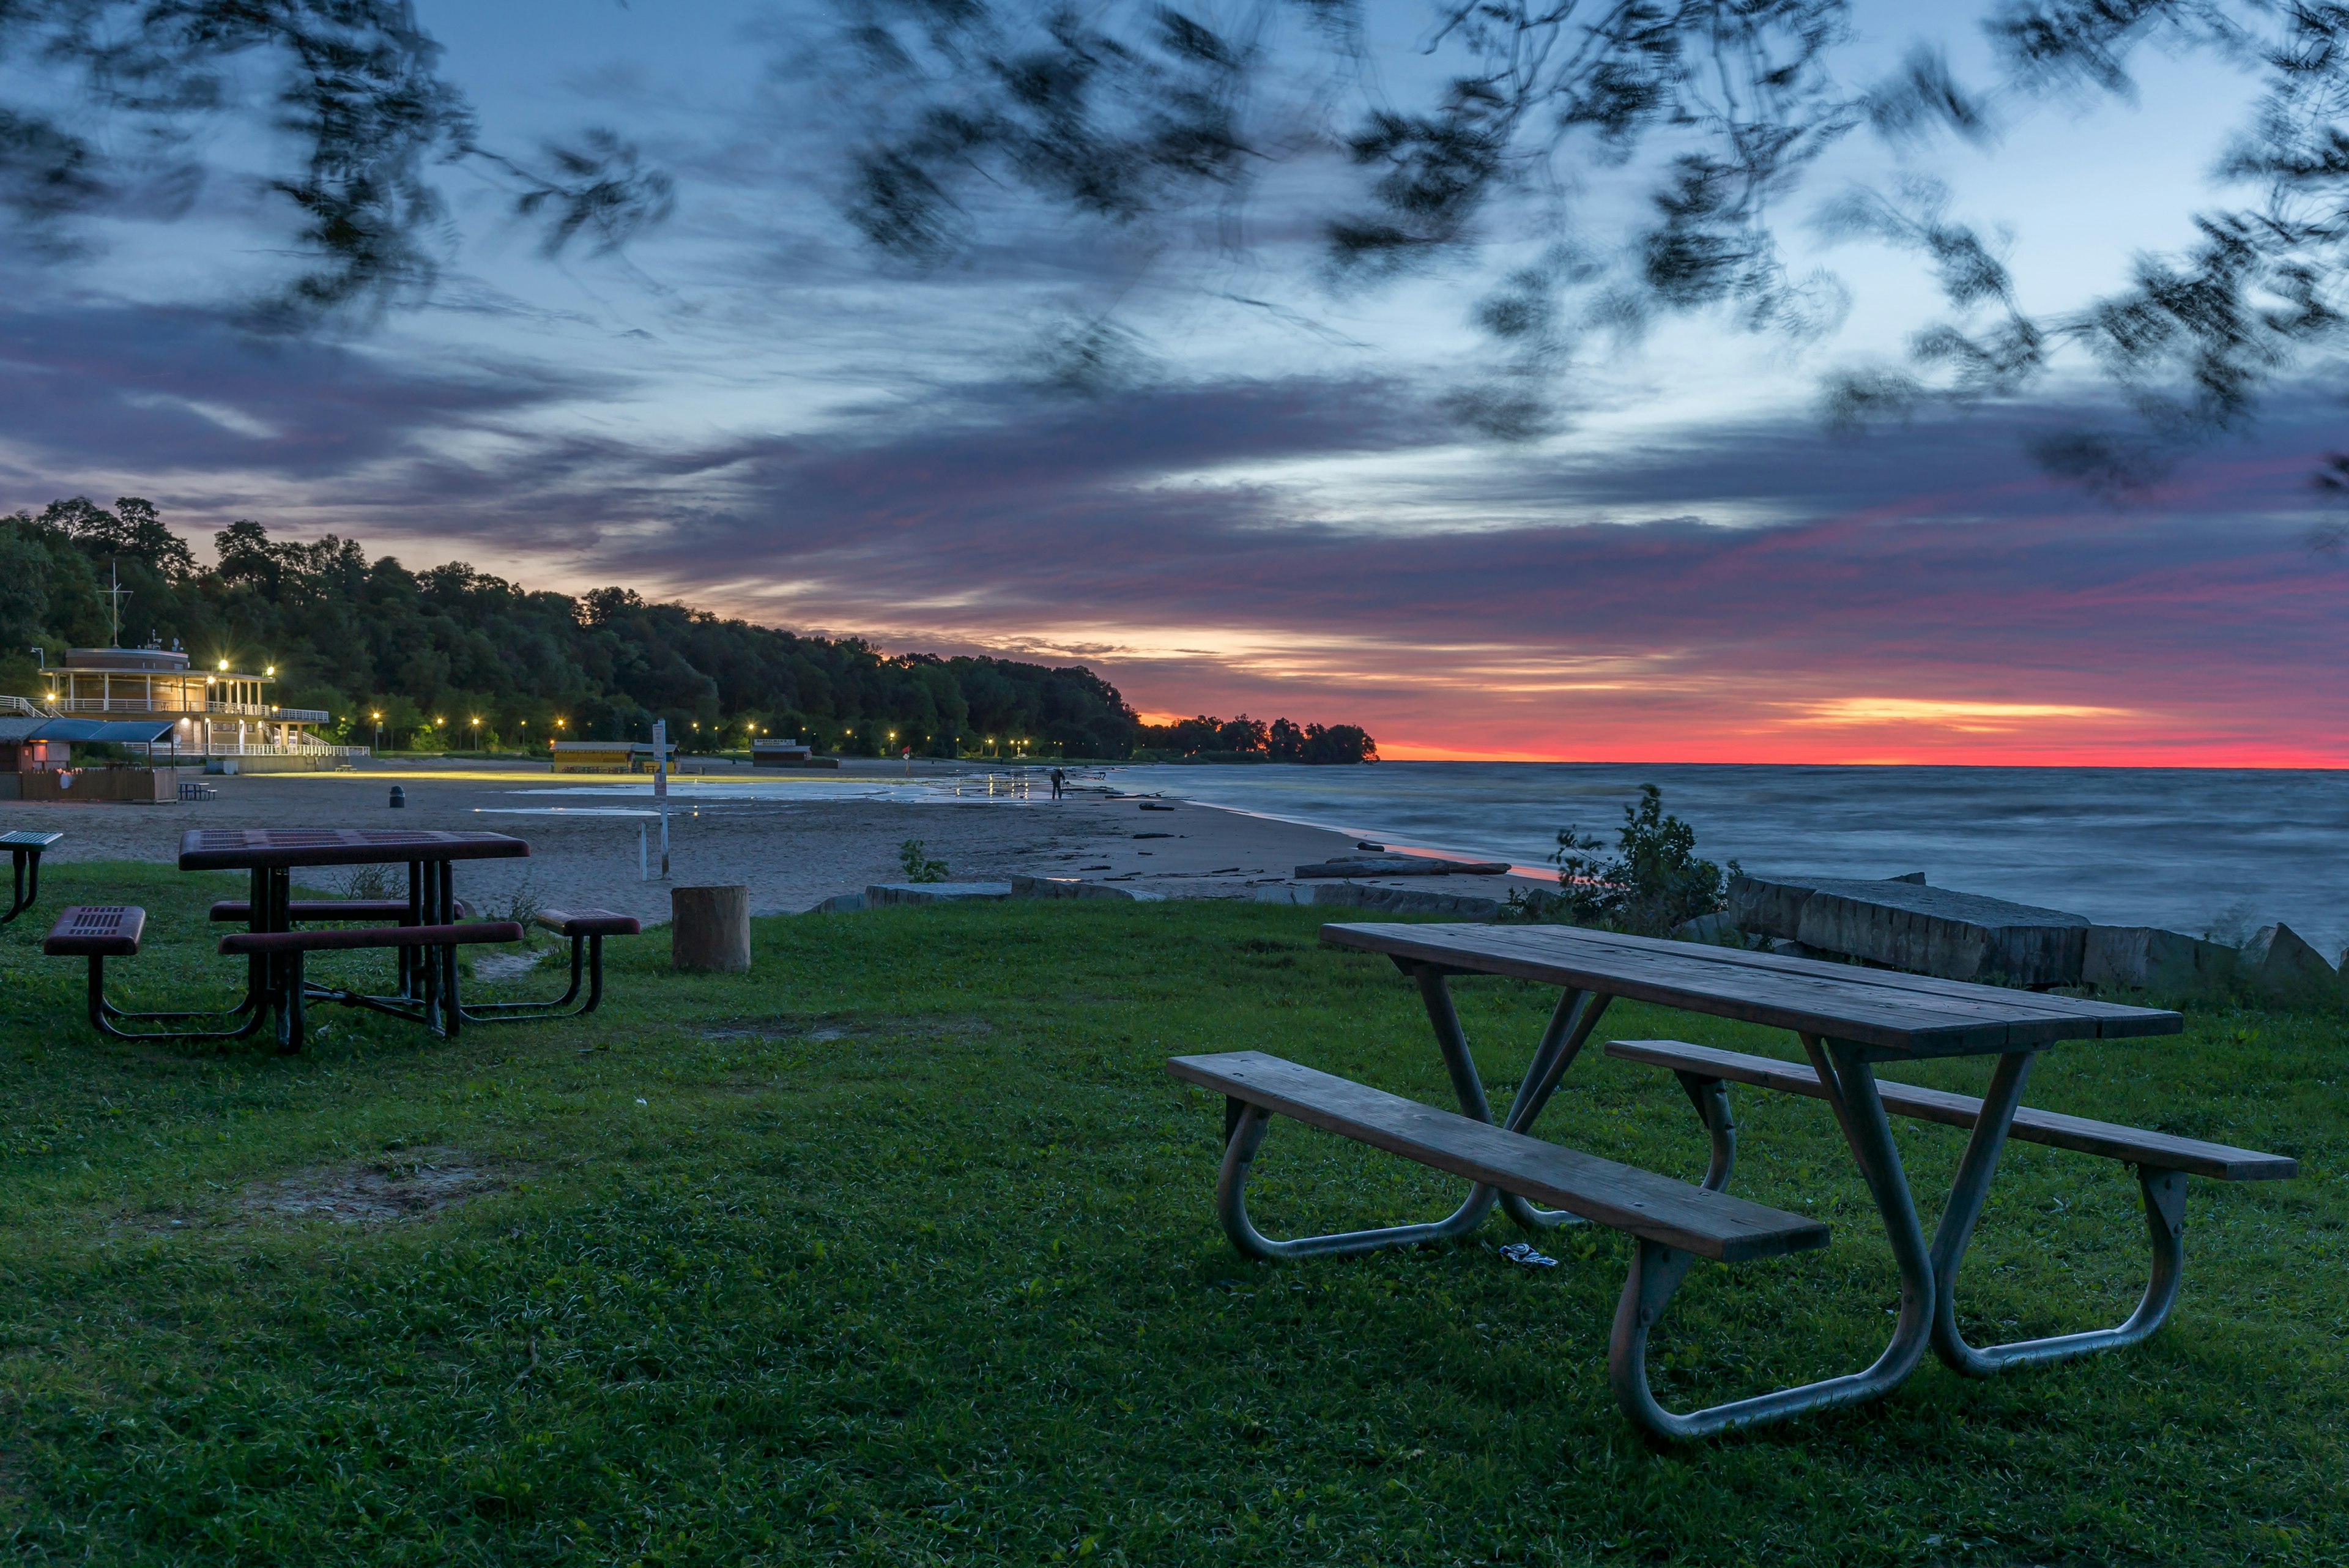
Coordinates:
[1265,506]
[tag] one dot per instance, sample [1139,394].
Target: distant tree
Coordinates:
[1339,743]
[453,642]
[1242,734]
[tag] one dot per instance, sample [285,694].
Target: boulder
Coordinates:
[840,903]
[1073,888]
[1715,928]
[1906,924]
[2145,958]
[1406,901]
[2287,970]
[882,893]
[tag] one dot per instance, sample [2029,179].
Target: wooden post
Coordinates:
[709,928]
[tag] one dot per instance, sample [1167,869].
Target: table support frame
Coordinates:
[1569,1028]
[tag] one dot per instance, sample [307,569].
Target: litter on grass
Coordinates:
[1522,1253]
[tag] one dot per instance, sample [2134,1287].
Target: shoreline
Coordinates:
[791,842]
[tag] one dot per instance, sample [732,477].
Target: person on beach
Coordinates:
[1059,778]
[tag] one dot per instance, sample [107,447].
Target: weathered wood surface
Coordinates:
[1890,1013]
[1934,931]
[2137,1146]
[709,928]
[1404,866]
[1621,1197]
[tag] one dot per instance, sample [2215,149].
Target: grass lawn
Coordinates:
[900,1249]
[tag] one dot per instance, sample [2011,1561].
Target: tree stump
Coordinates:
[709,928]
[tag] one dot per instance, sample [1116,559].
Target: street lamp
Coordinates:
[477,732]
[379,732]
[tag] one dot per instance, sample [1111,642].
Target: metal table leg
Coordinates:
[453,1012]
[1570,1024]
[1657,1270]
[1244,1131]
[2163,1193]
[26,859]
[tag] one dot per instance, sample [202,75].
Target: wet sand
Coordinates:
[824,835]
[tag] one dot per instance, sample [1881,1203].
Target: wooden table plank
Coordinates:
[2083,1135]
[1623,1196]
[242,848]
[2067,1007]
[1889,1013]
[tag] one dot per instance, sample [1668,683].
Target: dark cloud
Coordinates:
[1225,545]
[166,390]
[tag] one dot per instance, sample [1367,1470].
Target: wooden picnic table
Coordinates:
[1848,1018]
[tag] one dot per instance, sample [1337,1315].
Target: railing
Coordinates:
[148,705]
[265,749]
[23,708]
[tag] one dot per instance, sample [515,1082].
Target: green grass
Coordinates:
[900,1249]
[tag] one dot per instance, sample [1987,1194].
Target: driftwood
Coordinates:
[1405,865]
[709,928]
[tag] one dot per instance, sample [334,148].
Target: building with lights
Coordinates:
[217,712]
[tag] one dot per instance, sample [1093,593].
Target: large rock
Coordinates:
[882,893]
[2288,970]
[1715,928]
[2145,958]
[1407,901]
[1075,888]
[1905,924]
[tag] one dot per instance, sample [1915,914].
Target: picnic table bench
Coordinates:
[24,849]
[1847,1019]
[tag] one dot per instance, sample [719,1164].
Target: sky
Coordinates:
[1268,508]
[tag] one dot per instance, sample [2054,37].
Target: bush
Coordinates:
[1655,881]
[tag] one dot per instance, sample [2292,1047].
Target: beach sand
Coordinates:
[825,835]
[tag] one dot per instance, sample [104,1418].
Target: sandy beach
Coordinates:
[795,839]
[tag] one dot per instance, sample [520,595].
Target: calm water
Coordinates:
[2225,850]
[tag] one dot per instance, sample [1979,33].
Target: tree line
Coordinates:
[451,658]
[1252,739]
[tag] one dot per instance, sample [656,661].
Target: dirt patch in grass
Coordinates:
[505,966]
[828,1029]
[411,1184]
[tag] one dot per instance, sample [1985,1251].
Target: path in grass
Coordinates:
[900,1249]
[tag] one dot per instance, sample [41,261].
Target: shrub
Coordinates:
[1655,880]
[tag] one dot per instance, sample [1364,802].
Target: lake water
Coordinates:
[2194,849]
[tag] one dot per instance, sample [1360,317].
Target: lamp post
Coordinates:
[477,732]
[378,733]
